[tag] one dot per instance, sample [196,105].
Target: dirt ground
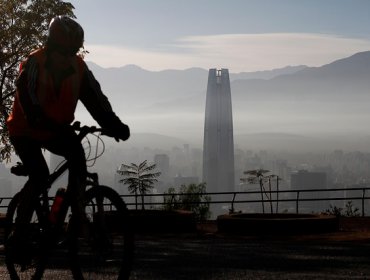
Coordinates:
[350,229]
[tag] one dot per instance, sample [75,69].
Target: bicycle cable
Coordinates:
[97,154]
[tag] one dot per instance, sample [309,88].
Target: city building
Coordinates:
[308,180]
[162,162]
[218,145]
[180,180]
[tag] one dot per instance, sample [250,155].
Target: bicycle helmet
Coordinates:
[64,32]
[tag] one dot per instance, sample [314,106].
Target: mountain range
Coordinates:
[321,102]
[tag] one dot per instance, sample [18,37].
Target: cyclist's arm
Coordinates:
[26,84]
[100,108]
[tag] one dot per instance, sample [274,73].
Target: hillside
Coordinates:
[331,99]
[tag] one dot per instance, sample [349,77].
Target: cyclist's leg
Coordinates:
[68,145]
[30,153]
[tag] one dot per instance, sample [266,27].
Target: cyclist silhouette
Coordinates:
[51,81]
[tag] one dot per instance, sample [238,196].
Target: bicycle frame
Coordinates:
[92,179]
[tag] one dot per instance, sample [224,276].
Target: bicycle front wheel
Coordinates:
[104,250]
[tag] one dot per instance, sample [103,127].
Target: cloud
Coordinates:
[238,52]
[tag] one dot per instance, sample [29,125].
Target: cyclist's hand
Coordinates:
[120,132]
[65,129]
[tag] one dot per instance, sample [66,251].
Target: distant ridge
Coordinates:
[300,100]
[340,79]
[265,75]
[355,65]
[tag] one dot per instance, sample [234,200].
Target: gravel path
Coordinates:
[214,257]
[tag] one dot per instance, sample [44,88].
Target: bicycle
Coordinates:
[104,251]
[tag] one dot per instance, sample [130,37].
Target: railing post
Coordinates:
[297,202]
[277,194]
[172,199]
[232,203]
[363,202]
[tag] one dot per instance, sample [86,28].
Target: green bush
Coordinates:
[348,211]
[191,198]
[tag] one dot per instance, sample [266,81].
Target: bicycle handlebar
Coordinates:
[85,129]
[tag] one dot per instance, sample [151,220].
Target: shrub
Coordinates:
[348,211]
[192,198]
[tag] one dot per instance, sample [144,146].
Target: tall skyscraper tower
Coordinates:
[218,145]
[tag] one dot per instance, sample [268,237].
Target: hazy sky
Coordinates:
[242,35]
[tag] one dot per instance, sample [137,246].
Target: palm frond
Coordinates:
[142,165]
[250,172]
[150,175]
[128,173]
[139,177]
[149,167]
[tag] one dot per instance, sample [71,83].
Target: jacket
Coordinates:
[38,95]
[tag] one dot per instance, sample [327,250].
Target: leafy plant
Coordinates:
[351,211]
[334,210]
[139,178]
[192,198]
[259,176]
[348,211]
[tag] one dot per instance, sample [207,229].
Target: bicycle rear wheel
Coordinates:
[105,251]
[34,267]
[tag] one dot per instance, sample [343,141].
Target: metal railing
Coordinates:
[281,200]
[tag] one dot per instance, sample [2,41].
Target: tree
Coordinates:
[192,198]
[259,176]
[256,176]
[139,178]
[23,28]
[278,179]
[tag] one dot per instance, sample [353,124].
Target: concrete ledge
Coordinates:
[273,224]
